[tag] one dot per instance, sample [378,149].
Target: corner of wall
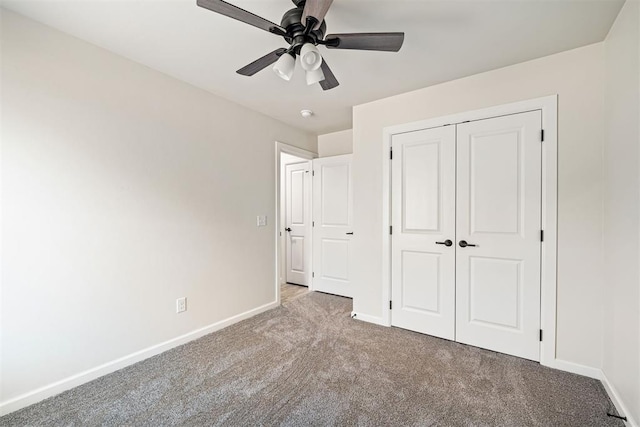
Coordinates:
[621,213]
[336,143]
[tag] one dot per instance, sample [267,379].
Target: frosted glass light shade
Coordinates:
[310,57]
[315,76]
[284,66]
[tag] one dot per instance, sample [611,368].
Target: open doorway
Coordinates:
[294,186]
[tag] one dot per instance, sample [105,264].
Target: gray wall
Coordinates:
[122,190]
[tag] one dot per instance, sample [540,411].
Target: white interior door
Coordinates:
[423,250]
[297,221]
[333,225]
[498,216]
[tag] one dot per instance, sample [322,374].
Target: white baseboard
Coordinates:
[575,368]
[617,401]
[58,387]
[367,318]
[598,374]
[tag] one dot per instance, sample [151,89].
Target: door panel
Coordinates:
[495,175]
[495,283]
[423,212]
[333,220]
[420,281]
[498,210]
[297,210]
[421,198]
[335,259]
[335,207]
[297,254]
[297,218]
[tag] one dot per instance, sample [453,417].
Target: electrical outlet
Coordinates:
[181,304]
[262,221]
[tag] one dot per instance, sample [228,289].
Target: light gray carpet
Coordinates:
[309,363]
[289,292]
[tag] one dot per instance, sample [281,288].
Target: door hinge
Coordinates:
[542,235]
[313,274]
[313,173]
[313,223]
[540,335]
[391,229]
[391,154]
[390,305]
[542,135]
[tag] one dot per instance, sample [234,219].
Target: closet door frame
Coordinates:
[548,106]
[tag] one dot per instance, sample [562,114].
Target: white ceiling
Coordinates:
[445,40]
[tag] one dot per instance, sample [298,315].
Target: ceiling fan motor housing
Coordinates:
[296,36]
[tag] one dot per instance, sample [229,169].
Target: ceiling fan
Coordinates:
[303,28]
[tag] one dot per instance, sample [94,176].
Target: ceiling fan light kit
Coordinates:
[285,66]
[314,76]
[303,28]
[310,57]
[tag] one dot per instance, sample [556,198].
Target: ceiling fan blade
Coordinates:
[330,80]
[317,9]
[261,63]
[242,15]
[390,42]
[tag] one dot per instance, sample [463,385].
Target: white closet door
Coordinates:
[333,225]
[498,216]
[297,221]
[423,204]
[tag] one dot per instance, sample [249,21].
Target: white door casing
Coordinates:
[499,211]
[423,221]
[296,224]
[548,107]
[333,225]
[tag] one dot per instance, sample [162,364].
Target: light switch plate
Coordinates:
[262,220]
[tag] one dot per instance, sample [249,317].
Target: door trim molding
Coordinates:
[281,147]
[548,106]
